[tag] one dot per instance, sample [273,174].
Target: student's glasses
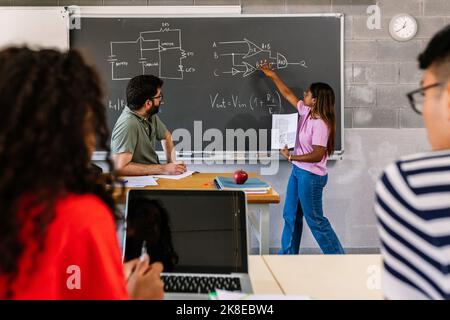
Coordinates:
[417,97]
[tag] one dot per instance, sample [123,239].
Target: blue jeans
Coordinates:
[304,199]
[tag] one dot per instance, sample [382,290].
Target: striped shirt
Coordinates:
[413,211]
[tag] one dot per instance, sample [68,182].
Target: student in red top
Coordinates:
[57,216]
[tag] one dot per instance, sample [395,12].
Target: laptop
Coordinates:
[200,236]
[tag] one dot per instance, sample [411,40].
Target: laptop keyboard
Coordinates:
[198,284]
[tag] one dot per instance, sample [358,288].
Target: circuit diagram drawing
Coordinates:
[242,57]
[157,52]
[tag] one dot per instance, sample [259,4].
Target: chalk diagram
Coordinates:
[242,57]
[157,52]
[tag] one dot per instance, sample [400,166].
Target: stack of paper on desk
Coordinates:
[144,181]
[139,181]
[174,177]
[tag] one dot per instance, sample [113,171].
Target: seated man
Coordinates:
[137,129]
[413,194]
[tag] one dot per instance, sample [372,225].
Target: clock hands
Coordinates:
[404,25]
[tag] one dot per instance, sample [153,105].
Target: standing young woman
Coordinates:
[313,144]
[57,224]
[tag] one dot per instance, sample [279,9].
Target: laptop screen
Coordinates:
[192,231]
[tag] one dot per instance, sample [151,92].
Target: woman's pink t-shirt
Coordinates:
[310,132]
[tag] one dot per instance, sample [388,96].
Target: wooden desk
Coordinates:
[328,276]
[262,280]
[257,203]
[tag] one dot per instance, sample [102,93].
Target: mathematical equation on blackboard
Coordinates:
[270,102]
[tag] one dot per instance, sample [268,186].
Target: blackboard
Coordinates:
[208,67]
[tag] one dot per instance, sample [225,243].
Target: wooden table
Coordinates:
[355,276]
[262,279]
[258,204]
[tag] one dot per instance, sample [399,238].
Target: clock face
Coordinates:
[403,27]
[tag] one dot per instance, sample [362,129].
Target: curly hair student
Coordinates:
[57,215]
[314,143]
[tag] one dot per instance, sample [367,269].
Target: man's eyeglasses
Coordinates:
[417,97]
[160,97]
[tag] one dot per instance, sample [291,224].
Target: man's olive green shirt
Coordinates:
[131,133]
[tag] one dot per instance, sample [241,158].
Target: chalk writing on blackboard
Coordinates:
[157,52]
[270,102]
[242,57]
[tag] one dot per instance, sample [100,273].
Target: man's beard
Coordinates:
[153,110]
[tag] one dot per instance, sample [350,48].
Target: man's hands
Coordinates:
[174,168]
[144,280]
[125,167]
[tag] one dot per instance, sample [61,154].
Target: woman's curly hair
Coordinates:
[48,102]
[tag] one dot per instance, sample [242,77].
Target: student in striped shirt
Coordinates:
[413,194]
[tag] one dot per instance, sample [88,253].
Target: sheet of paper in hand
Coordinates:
[284,130]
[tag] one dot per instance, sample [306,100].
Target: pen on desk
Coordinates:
[143,251]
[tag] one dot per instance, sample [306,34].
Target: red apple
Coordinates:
[240,176]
